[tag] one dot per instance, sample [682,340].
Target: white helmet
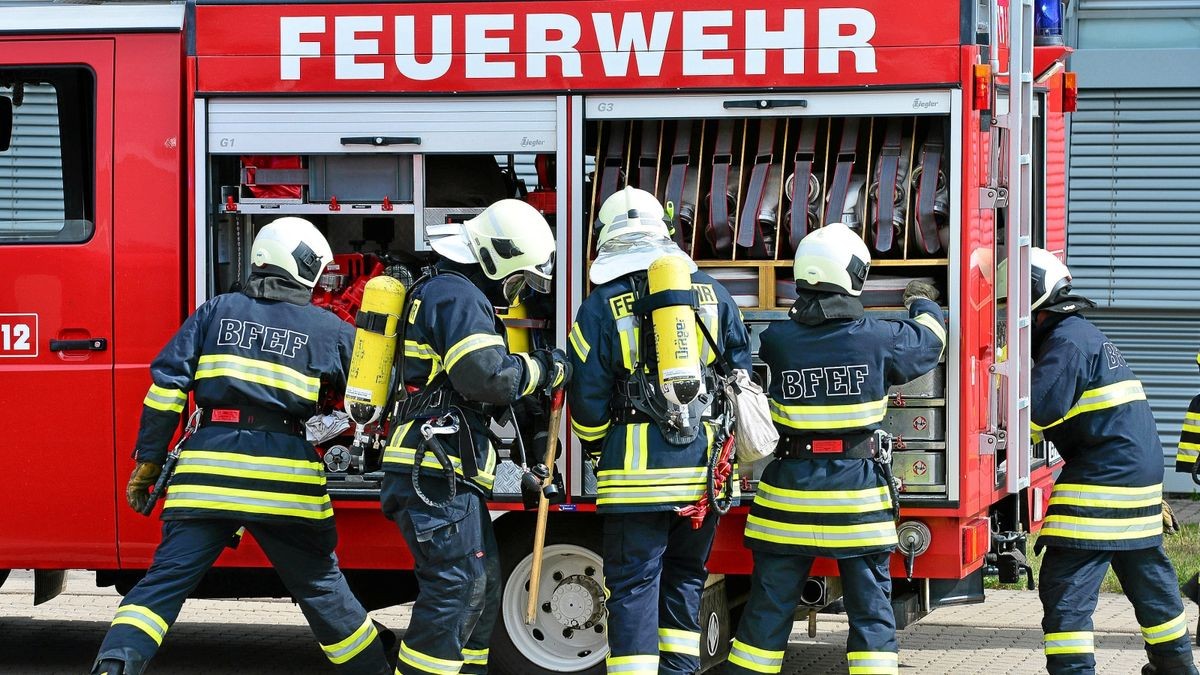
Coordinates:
[507,238]
[1051,278]
[832,258]
[628,211]
[293,245]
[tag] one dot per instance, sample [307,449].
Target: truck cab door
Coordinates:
[56,304]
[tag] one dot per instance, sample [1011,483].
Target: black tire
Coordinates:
[4,577]
[515,533]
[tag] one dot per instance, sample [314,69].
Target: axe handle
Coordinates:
[539,534]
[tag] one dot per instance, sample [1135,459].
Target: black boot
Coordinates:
[1191,589]
[109,667]
[1181,664]
[391,645]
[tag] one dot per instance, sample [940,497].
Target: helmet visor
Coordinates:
[540,279]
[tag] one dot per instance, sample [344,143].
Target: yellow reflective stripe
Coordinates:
[426,663]
[475,657]
[1071,642]
[586,433]
[637,664]
[627,332]
[1187,453]
[166,400]
[402,456]
[679,641]
[1101,398]
[249,501]
[471,343]
[533,373]
[637,444]
[1097,496]
[142,618]
[1198,358]
[823,501]
[259,372]
[248,466]
[846,416]
[352,646]
[931,322]
[753,658]
[579,343]
[1166,631]
[1099,529]
[822,536]
[873,663]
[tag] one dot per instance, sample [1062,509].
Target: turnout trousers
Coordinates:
[654,571]
[302,556]
[762,634]
[457,564]
[1069,586]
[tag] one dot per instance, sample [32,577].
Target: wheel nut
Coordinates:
[558,576]
[568,633]
[590,571]
[545,607]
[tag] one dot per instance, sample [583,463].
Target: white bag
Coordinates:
[755,435]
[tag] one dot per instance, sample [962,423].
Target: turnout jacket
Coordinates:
[638,469]
[1087,401]
[1189,438]
[830,380]
[238,351]
[456,357]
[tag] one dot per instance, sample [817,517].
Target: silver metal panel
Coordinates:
[1135,155]
[443,124]
[929,385]
[914,423]
[1161,348]
[76,18]
[920,471]
[817,104]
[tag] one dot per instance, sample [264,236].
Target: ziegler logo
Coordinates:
[585,45]
[918,104]
[527,142]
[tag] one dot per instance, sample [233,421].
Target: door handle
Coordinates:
[89,344]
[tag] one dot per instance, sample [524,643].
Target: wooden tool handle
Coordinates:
[539,535]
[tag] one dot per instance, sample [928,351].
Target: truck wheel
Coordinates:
[570,631]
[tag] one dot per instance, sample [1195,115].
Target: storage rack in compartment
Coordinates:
[746,243]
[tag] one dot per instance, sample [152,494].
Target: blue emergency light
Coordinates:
[1048,23]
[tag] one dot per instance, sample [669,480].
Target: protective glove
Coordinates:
[137,492]
[919,289]
[555,367]
[1170,522]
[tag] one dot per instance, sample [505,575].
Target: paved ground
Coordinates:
[1002,636]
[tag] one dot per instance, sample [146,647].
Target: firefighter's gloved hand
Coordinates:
[919,289]
[137,492]
[555,368]
[1170,522]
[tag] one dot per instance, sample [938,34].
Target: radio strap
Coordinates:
[801,171]
[931,164]
[842,171]
[750,236]
[889,166]
[720,230]
[680,157]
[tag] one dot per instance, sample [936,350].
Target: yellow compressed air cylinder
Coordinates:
[518,334]
[374,349]
[675,332]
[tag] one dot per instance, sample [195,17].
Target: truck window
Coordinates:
[47,186]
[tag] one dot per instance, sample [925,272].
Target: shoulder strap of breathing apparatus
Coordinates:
[640,390]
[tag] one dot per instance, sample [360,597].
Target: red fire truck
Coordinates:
[145,144]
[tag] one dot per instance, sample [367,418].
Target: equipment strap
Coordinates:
[857,446]
[649,303]
[802,169]
[750,234]
[375,322]
[680,158]
[648,160]
[720,229]
[889,165]
[253,418]
[931,164]
[613,154]
[842,171]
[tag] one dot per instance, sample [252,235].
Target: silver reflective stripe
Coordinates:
[638,437]
[752,658]
[184,492]
[768,496]
[429,664]
[351,646]
[1165,632]
[186,460]
[291,381]
[142,618]
[1152,494]
[627,328]
[655,476]
[673,494]
[865,414]
[708,314]
[1149,525]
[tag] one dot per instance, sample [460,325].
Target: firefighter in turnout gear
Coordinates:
[254,362]
[457,374]
[649,466]
[1106,507]
[1189,439]
[828,492]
